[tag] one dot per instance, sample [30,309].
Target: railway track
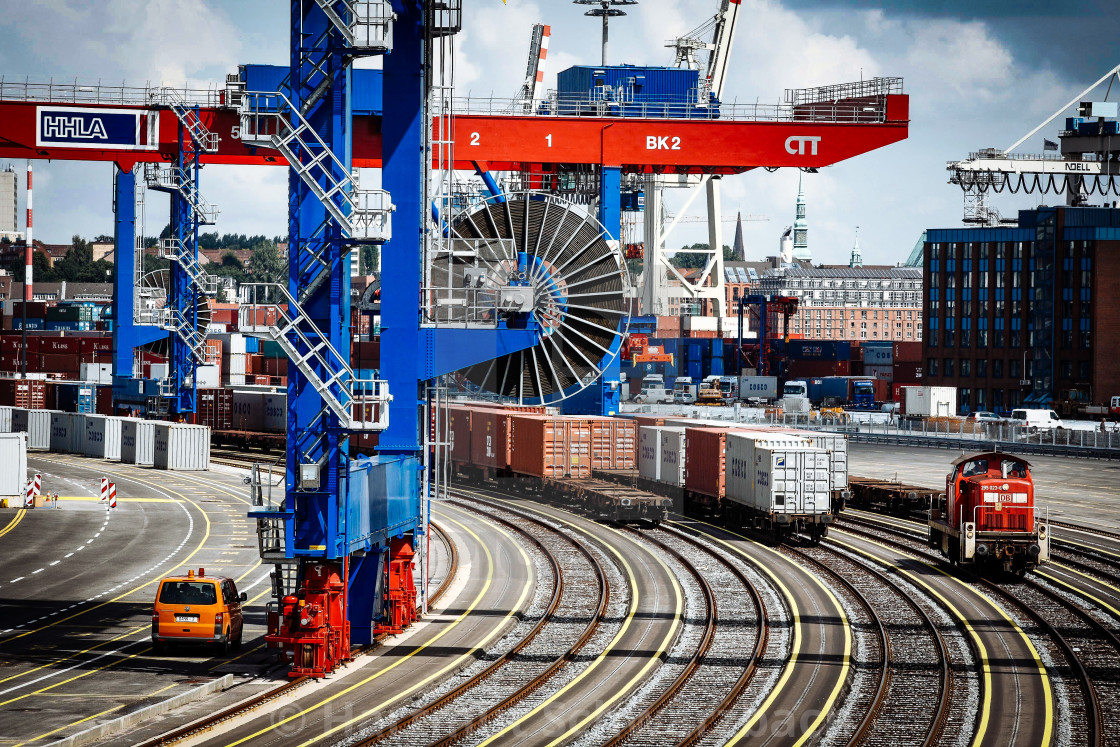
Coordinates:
[458,714]
[255,702]
[1091,663]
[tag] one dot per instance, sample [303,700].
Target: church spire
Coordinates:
[801,226]
[857,258]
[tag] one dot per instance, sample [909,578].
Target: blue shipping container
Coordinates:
[717,367]
[631,91]
[820,350]
[695,370]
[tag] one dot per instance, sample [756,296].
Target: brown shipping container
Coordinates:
[705,454]
[907,373]
[908,352]
[459,433]
[215,408]
[14,344]
[56,363]
[612,443]
[808,369]
[26,394]
[668,326]
[550,447]
[490,437]
[89,345]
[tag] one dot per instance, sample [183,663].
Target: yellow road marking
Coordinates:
[95,499]
[1081,592]
[15,520]
[87,718]
[470,608]
[795,647]
[985,663]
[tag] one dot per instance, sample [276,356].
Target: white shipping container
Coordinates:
[68,432]
[13,467]
[276,413]
[159,371]
[138,441]
[763,387]
[179,446]
[836,444]
[672,455]
[649,447]
[5,419]
[248,411]
[929,401]
[777,474]
[36,424]
[208,377]
[103,437]
[96,373]
[235,379]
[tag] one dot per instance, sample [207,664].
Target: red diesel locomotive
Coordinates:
[987,514]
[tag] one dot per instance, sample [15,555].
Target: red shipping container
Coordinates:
[27,394]
[613,443]
[705,456]
[545,446]
[490,432]
[13,343]
[60,346]
[907,373]
[908,352]
[89,345]
[364,443]
[104,400]
[276,366]
[215,408]
[64,364]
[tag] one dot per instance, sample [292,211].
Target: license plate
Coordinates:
[186,618]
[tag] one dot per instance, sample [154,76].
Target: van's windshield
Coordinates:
[188,592]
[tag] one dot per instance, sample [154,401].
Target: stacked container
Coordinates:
[181,447]
[777,475]
[138,441]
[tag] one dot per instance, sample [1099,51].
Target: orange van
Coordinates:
[197,609]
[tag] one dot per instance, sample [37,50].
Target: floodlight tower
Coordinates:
[606,11]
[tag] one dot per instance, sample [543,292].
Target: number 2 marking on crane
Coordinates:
[654,142]
[474,138]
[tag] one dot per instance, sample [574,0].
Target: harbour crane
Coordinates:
[1086,162]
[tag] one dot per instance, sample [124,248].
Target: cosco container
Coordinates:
[103,437]
[248,411]
[13,477]
[181,447]
[672,455]
[138,441]
[36,424]
[835,444]
[649,452]
[276,413]
[544,446]
[777,474]
[68,432]
[5,419]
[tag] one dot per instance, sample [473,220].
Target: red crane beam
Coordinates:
[55,132]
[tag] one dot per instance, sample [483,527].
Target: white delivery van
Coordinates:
[1043,420]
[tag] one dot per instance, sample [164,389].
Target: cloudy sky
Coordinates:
[979,74]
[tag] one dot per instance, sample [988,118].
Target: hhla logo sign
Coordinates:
[74,127]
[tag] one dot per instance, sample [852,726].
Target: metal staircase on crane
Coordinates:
[173,320]
[175,179]
[359,404]
[173,250]
[266,121]
[203,139]
[367,25]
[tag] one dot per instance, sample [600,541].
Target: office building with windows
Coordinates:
[1026,315]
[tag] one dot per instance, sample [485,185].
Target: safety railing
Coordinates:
[173,320]
[853,90]
[77,92]
[359,404]
[270,120]
[367,25]
[857,112]
[188,117]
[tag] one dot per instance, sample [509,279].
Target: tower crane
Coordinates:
[656,292]
[1088,162]
[534,70]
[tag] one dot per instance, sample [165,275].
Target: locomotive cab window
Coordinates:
[975,467]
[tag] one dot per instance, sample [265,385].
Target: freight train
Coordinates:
[987,515]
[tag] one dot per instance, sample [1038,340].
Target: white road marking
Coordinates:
[56,562]
[16,579]
[38,571]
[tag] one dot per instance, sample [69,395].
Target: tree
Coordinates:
[266,264]
[368,259]
[699,261]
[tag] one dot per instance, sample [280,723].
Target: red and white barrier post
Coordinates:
[112,495]
[29,495]
[38,484]
[104,488]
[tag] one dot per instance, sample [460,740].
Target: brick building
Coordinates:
[1025,315]
[842,303]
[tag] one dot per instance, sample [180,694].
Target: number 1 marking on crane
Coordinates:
[548,137]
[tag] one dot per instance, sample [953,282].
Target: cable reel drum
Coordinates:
[533,260]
